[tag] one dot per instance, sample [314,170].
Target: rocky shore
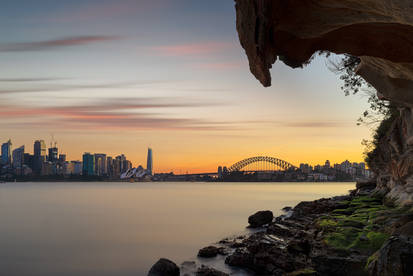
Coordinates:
[357,234]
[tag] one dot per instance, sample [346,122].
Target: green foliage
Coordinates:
[380,111]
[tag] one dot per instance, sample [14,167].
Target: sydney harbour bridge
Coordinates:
[252,165]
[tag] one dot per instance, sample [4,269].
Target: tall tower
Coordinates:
[39,149]
[6,152]
[149,162]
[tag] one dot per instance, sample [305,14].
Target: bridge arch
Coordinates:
[278,163]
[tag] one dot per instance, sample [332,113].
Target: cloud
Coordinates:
[31,79]
[55,43]
[110,114]
[220,65]
[192,48]
[69,87]
[314,124]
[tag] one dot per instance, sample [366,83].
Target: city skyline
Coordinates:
[52,154]
[101,80]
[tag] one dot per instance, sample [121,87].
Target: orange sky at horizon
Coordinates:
[117,77]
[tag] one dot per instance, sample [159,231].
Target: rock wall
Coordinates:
[380,32]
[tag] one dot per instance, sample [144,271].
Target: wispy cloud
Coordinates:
[219,66]
[31,79]
[53,87]
[192,48]
[315,124]
[112,114]
[55,43]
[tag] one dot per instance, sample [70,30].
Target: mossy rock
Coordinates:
[347,211]
[352,223]
[327,223]
[303,272]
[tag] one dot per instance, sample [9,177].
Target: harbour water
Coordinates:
[101,228]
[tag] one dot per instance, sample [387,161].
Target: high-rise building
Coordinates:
[18,157]
[39,150]
[100,164]
[149,162]
[53,155]
[6,153]
[109,166]
[88,164]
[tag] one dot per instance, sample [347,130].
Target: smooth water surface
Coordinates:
[123,228]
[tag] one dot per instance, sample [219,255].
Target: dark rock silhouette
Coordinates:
[260,218]
[208,252]
[164,267]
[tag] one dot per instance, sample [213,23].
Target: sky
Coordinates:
[119,76]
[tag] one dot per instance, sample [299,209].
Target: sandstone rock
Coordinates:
[287,208]
[340,266]
[319,206]
[299,246]
[395,258]
[260,218]
[371,29]
[208,252]
[164,267]
[406,230]
[279,230]
[208,271]
[240,258]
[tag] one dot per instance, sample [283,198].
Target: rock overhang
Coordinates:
[380,32]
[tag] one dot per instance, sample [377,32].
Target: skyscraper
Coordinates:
[39,150]
[18,157]
[88,164]
[6,153]
[149,162]
[100,164]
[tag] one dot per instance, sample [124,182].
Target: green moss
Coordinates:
[343,238]
[377,239]
[327,224]
[357,223]
[371,259]
[354,227]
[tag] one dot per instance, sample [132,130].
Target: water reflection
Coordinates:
[123,228]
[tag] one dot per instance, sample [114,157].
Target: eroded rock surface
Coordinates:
[378,31]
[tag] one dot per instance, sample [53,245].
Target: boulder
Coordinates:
[395,258]
[208,252]
[164,267]
[260,218]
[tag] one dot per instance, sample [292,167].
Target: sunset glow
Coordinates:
[119,77]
